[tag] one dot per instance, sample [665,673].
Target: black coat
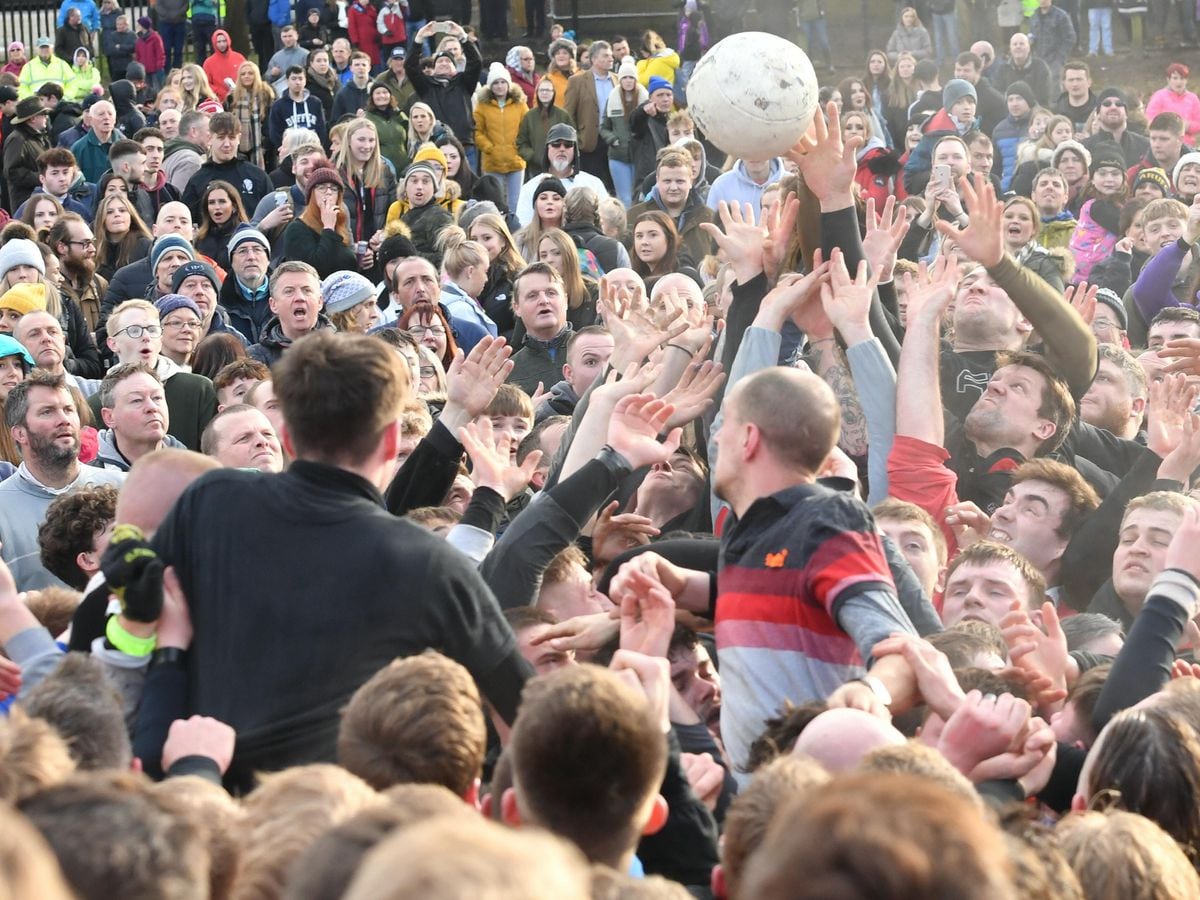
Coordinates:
[449,100]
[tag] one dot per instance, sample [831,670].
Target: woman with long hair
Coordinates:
[391,125]
[556,249]
[41,212]
[121,235]
[250,101]
[323,81]
[423,127]
[909,36]
[464,276]
[548,206]
[370,188]
[319,234]
[655,245]
[901,93]
[457,169]
[504,262]
[877,165]
[561,67]
[193,86]
[615,130]
[878,78]
[215,352]
[856,97]
[428,324]
[531,136]
[221,212]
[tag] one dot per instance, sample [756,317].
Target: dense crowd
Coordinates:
[433,471]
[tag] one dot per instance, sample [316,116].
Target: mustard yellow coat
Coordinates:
[496,130]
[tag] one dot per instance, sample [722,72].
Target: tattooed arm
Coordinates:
[830,363]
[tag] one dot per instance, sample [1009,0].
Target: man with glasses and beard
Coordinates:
[75,246]
[41,415]
[560,161]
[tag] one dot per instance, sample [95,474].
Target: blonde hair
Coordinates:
[114,317]
[32,756]
[459,253]
[200,92]
[509,257]
[259,90]
[1120,855]
[572,275]
[371,174]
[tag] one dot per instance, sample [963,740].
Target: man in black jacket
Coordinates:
[302,586]
[223,163]
[448,91]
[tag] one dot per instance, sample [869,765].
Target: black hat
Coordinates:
[550,184]
[28,109]
[561,132]
[1022,90]
[1108,154]
[7,94]
[1112,92]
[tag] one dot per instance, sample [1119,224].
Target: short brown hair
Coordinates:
[79,700]
[774,786]
[537,268]
[224,123]
[1082,499]
[984,552]
[894,510]
[587,754]
[1168,121]
[880,836]
[510,400]
[1121,854]
[27,865]
[217,816]
[339,393]
[915,758]
[72,522]
[83,819]
[1057,404]
[795,411]
[239,369]
[32,756]
[54,607]
[673,158]
[419,720]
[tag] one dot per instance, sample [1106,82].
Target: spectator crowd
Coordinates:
[433,465]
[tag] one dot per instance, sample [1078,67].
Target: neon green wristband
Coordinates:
[126,642]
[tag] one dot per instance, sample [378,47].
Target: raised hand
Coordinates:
[634,427]
[847,301]
[1083,298]
[884,236]
[1181,552]
[615,533]
[969,522]
[586,633]
[790,297]
[826,161]
[1168,408]
[1184,353]
[780,225]
[633,380]
[740,238]
[705,775]
[199,736]
[694,393]
[474,378]
[647,617]
[936,681]
[982,240]
[635,335]
[932,290]
[650,676]
[983,727]
[1039,652]
[491,464]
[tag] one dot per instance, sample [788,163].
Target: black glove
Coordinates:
[134,574]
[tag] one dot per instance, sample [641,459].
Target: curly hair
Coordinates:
[72,523]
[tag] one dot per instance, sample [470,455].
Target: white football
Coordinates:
[753,94]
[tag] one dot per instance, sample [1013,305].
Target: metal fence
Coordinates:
[27,20]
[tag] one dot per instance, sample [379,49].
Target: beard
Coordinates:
[51,455]
[79,271]
[1111,418]
[561,166]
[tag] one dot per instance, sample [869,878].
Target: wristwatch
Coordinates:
[878,688]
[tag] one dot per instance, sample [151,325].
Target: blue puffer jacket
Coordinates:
[280,13]
[1007,136]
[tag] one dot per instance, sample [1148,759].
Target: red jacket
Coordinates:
[220,66]
[149,51]
[361,22]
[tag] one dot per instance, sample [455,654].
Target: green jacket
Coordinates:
[393,137]
[531,137]
[615,127]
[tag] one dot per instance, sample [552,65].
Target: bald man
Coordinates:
[839,738]
[803,591]
[151,488]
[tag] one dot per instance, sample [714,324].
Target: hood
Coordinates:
[123,93]
[562,395]
[302,101]
[272,332]
[216,34]
[165,368]
[87,55]
[873,143]
[939,121]
[176,144]
[109,456]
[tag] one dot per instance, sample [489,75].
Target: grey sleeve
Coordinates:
[869,617]
[758,350]
[36,652]
[876,381]
[911,595]
[474,542]
[127,672]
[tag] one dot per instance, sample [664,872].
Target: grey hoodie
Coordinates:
[108,456]
[23,504]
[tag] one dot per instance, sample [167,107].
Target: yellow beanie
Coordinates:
[24,298]
[431,152]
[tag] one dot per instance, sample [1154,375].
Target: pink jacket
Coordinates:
[1186,104]
[149,51]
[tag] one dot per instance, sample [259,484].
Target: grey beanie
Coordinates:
[1110,299]
[955,90]
[345,290]
[20,252]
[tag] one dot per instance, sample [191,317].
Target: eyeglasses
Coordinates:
[178,325]
[422,330]
[90,242]
[136,331]
[428,372]
[560,145]
[1113,103]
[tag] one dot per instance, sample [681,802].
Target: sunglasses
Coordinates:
[562,145]
[1113,103]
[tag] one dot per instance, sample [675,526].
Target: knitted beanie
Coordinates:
[322,173]
[1154,176]
[658,83]
[168,303]
[195,267]
[248,233]
[1187,159]
[1113,301]
[345,290]
[955,90]
[24,298]
[169,242]
[20,252]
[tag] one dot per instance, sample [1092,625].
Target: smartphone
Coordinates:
[941,176]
